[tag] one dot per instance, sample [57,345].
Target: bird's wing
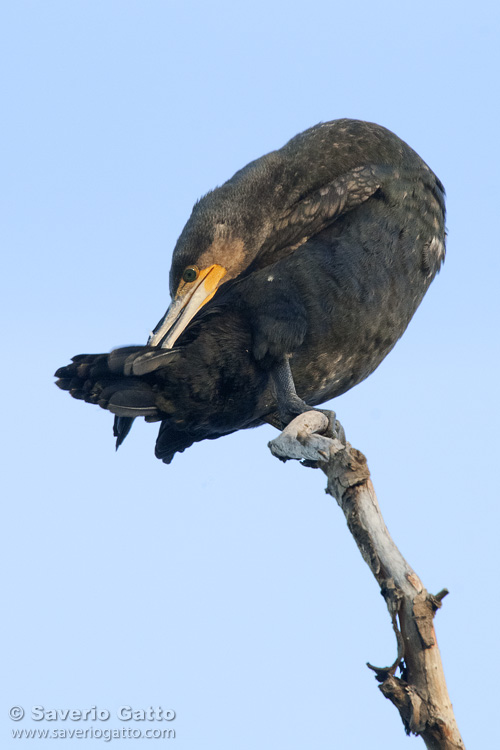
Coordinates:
[170,441]
[316,210]
[137,365]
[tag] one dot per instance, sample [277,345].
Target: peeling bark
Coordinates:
[420,693]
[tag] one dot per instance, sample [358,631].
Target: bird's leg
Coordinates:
[290,405]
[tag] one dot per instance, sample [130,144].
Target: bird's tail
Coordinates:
[198,390]
[121,428]
[117,381]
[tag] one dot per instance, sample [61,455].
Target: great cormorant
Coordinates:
[290,284]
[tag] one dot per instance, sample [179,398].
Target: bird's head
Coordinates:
[199,267]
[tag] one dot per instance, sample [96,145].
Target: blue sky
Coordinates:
[227,586]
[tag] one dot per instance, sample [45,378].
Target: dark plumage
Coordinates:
[300,272]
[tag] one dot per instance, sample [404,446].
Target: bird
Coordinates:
[290,283]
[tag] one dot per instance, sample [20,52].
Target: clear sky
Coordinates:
[226,586]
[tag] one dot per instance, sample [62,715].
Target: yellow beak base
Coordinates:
[189,299]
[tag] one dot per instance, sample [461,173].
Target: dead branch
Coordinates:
[420,693]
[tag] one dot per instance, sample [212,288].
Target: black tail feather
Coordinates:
[121,428]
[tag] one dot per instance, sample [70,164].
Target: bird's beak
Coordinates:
[189,298]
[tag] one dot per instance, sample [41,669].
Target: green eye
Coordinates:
[190,274]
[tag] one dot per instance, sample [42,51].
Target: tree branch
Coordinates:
[420,693]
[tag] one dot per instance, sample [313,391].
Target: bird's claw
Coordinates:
[335,429]
[297,407]
[308,437]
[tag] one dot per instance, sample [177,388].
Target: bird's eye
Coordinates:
[190,274]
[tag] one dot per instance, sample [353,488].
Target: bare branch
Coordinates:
[420,693]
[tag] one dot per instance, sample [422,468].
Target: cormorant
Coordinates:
[290,283]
